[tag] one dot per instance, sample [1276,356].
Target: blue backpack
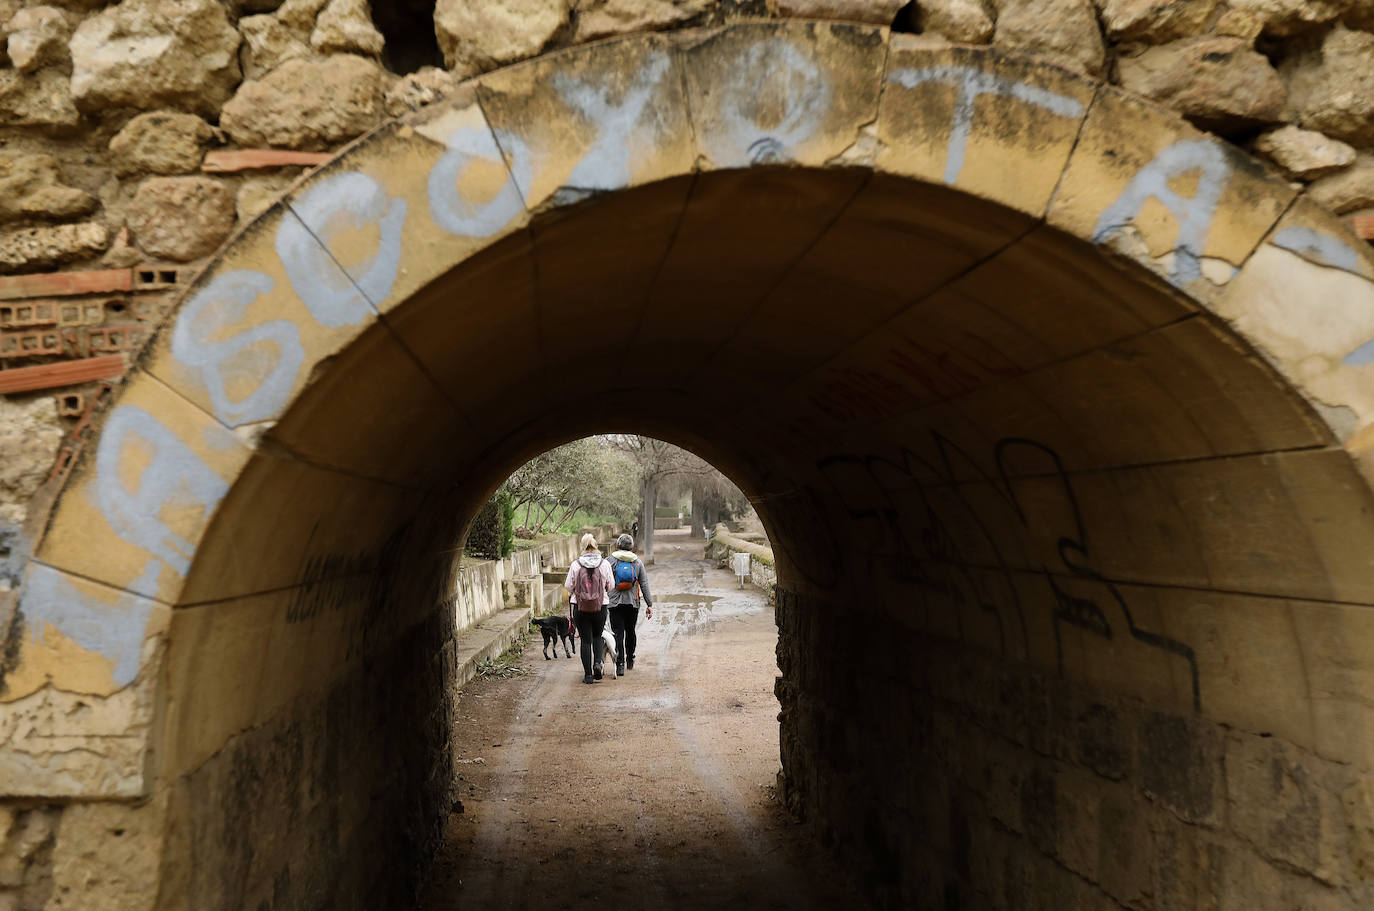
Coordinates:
[624,575]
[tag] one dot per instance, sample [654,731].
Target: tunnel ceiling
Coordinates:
[983,326]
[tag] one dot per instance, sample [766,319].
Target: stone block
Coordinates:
[155,53]
[1065,31]
[106,855]
[1126,851]
[1102,739]
[39,100]
[999,128]
[146,494]
[767,94]
[1078,826]
[276,285]
[38,38]
[161,142]
[604,118]
[1304,154]
[34,248]
[30,187]
[1220,84]
[482,35]
[307,103]
[1304,298]
[1279,802]
[1193,213]
[603,18]
[1180,765]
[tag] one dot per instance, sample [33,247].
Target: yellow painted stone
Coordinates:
[1148,186]
[79,701]
[1306,300]
[593,119]
[994,126]
[144,492]
[250,330]
[769,93]
[445,177]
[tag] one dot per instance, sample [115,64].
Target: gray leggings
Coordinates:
[589,627]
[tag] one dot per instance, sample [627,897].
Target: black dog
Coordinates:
[555,629]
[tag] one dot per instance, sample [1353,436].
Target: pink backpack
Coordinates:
[590,588]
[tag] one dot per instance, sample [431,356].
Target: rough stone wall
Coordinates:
[1018,789]
[135,137]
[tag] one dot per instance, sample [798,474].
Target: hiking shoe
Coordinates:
[588,679]
[620,668]
[596,671]
[630,662]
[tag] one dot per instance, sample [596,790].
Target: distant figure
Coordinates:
[589,580]
[634,528]
[629,580]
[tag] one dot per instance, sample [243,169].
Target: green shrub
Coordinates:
[493,531]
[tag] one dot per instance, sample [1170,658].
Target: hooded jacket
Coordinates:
[631,595]
[596,564]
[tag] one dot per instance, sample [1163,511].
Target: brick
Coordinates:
[1180,765]
[230,160]
[155,276]
[115,338]
[80,313]
[1364,226]
[66,373]
[27,314]
[42,343]
[71,405]
[64,284]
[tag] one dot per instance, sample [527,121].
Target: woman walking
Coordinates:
[589,580]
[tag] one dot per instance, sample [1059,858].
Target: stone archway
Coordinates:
[1066,390]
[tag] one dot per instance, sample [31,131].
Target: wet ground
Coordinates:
[653,790]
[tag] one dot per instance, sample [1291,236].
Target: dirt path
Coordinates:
[654,790]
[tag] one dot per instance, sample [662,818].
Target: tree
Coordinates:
[586,474]
[660,464]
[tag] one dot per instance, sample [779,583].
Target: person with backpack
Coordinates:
[589,581]
[629,580]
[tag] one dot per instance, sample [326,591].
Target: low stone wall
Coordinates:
[485,588]
[762,571]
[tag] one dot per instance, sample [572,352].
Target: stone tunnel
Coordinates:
[1054,406]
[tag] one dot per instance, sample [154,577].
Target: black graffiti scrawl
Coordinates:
[924,527]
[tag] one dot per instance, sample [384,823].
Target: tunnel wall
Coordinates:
[315,729]
[998,785]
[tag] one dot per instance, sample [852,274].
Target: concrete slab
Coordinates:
[488,639]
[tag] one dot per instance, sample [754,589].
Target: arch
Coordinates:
[333,318]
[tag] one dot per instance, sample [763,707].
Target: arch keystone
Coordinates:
[600,118]
[779,94]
